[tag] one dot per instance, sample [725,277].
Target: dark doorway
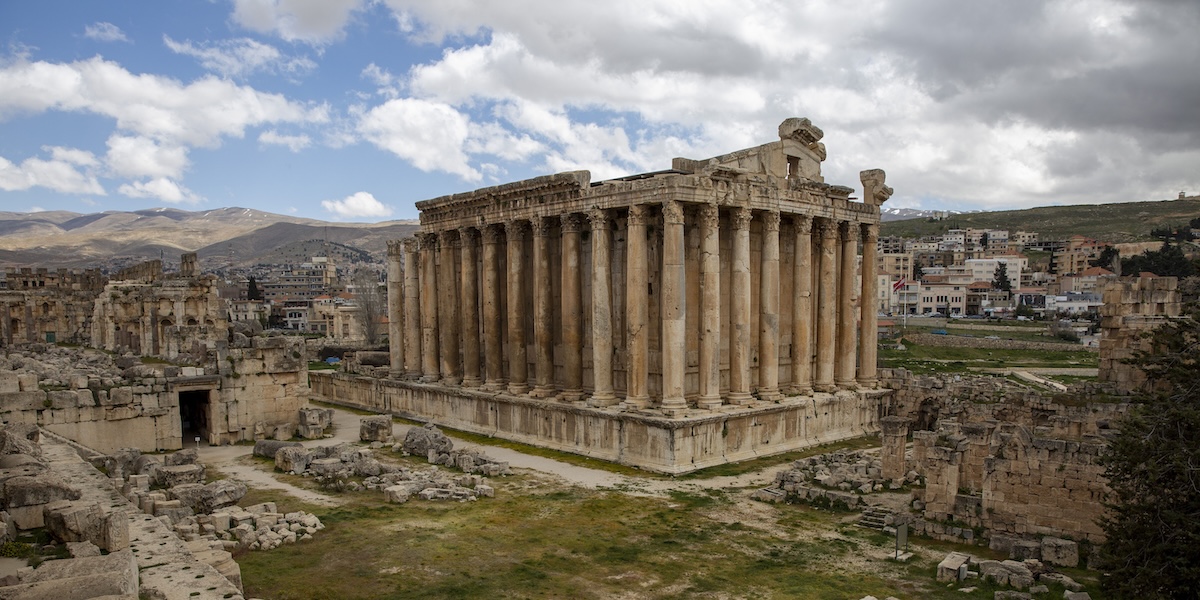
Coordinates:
[193,416]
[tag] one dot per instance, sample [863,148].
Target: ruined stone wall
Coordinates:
[1003,457]
[1036,485]
[955,341]
[262,387]
[46,315]
[1132,308]
[144,415]
[175,319]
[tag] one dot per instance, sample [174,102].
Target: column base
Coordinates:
[518,389]
[630,403]
[673,404]
[602,400]
[541,391]
[495,385]
[454,381]
[868,384]
[800,390]
[770,395]
[740,398]
[396,374]
[571,396]
[827,388]
[708,403]
[471,382]
[847,385]
[412,376]
[429,378]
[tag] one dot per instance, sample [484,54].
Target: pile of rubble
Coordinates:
[335,466]
[171,488]
[112,551]
[1030,576]
[838,476]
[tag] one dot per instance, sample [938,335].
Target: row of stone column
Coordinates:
[431,330]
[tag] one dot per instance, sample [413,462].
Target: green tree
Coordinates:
[1105,260]
[1153,469]
[1167,261]
[252,291]
[1000,280]
[918,271]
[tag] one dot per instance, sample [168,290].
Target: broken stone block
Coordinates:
[421,441]
[376,428]
[268,448]
[75,521]
[1060,552]
[111,575]
[293,459]
[172,476]
[398,494]
[954,567]
[1023,549]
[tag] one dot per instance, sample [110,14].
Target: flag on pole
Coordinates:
[899,285]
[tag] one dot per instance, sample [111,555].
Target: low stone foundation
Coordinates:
[643,439]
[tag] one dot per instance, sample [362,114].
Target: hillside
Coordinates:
[1124,222]
[222,237]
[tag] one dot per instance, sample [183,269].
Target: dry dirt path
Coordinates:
[231,460]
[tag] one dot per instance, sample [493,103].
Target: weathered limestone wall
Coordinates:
[145,415]
[257,392]
[1132,307]
[1036,485]
[262,388]
[669,445]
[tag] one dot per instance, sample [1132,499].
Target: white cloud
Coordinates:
[241,57]
[161,108]
[361,204]
[104,32]
[160,188]
[311,21]
[430,135]
[136,156]
[36,209]
[295,143]
[61,173]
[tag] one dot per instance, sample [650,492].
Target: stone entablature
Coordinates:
[728,281]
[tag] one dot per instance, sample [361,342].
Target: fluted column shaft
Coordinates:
[395,308]
[826,307]
[868,336]
[739,308]
[518,367]
[543,334]
[802,308]
[637,309]
[470,307]
[768,316]
[429,309]
[602,376]
[572,308]
[493,351]
[673,340]
[847,318]
[448,311]
[710,307]
[412,311]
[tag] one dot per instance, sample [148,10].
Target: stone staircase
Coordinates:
[874,517]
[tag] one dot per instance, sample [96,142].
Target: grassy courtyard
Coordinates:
[543,538]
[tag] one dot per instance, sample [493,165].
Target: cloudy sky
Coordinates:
[356,109]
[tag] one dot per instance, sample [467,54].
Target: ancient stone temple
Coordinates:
[719,293]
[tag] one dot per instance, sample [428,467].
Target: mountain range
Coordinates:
[222,237]
[242,237]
